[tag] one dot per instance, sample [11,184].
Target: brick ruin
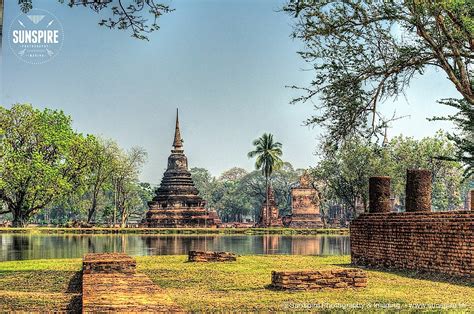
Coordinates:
[418,239]
[269,214]
[110,284]
[177,203]
[208,256]
[107,263]
[305,211]
[318,280]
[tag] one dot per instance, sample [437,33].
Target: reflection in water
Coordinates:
[21,246]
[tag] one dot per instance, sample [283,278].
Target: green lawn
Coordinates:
[54,284]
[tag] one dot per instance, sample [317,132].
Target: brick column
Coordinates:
[418,190]
[471,205]
[379,195]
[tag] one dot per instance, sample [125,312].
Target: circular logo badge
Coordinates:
[36,37]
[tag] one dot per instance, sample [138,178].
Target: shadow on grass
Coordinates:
[75,286]
[413,274]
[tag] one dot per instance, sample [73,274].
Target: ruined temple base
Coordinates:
[318,280]
[305,221]
[208,256]
[181,218]
[110,285]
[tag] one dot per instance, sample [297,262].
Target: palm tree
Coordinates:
[268,155]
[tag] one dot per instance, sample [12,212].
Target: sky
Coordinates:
[225,64]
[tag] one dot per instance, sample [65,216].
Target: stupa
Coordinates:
[305,211]
[269,216]
[177,202]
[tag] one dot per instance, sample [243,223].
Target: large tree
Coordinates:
[364,52]
[127,187]
[41,159]
[104,163]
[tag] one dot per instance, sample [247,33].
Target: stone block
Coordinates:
[209,256]
[316,280]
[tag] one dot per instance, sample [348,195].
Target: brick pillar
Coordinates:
[472,200]
[379,195]
[418,190]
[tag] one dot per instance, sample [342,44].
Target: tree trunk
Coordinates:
[19,220]
[91,210]
[266,195]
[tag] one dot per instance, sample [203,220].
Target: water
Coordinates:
[29,246]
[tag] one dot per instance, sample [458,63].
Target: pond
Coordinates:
[38,246]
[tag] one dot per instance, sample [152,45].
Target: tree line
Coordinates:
[343,174]
[51,174]
[49,171]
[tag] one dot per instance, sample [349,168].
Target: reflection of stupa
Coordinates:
[177,203]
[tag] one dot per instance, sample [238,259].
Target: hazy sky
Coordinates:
[225,64]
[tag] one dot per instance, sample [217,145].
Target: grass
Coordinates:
[53,284]
[250,231]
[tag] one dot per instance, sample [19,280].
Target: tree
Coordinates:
[128,201]
[205,183]
[268,155]
[103,165]
[346,172]
[364,52]
[41,159]
[408,153]
[126,15]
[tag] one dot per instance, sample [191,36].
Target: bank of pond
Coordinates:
[249,231]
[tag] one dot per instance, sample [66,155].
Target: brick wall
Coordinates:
[316,280]
[441,242]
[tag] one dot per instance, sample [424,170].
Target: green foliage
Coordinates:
[124,15]
[42,159]
[345,173]
[365,52]
[464,140]
[237,194]
[268,154]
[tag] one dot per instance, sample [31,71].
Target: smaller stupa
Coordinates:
[269,215]
[177,202]
[305,211]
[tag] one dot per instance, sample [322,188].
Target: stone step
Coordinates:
[111,284]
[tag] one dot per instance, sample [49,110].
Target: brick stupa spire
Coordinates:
[178,141]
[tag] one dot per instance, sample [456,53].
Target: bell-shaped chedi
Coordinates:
[305,211]
[269,216]
[177,202]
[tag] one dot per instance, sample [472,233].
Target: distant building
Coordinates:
[269,215]
[305,211]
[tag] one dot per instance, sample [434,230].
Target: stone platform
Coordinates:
[110,284]
[318,280]
[203,256]
[108,263]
